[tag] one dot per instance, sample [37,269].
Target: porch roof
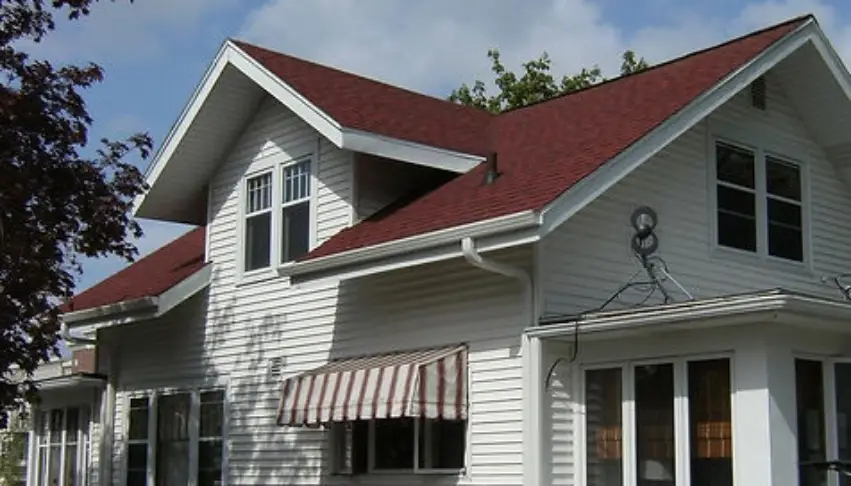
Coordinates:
[773,305]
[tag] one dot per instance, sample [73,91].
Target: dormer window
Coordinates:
[759,202]
[282,235]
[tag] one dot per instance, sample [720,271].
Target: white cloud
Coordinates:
[433,46]
[119,30]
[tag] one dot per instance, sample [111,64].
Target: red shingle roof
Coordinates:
[149,276]
[543,149]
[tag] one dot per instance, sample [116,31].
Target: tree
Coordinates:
[56,202]
[535,84]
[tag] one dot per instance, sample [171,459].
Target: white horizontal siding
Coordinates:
[588,258]
[232,332]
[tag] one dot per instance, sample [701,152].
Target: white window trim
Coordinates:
[681,417]
[372,470]
[760,151]
[276,168]
[83,453]
[194,439]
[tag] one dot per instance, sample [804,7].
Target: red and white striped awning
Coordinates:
[428,383]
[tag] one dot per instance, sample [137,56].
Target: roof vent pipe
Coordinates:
[492,168]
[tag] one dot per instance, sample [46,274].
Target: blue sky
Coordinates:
[155,51]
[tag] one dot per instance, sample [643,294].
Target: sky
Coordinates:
[155,52]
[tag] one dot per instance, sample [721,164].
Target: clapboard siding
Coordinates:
[229,334]
[675,184]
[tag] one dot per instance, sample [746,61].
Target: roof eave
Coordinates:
[497,233]
[143,308]
[758,307]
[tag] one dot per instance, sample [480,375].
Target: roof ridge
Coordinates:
[359,75]
[682,57]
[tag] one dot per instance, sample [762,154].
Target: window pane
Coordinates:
[843,415]
[295,231]
[258,234]
[710,423]
[173,439]
[735,165]
[72,424]
[209,463]
[71,466]
[654,420]
[259,193]
[53,469]
[137,478]
[603,424]
[783,178]
[394,444]
[442,444]
[785,234]
[809,390]
[297,181]
[137,456]
[211,414]
[56,422]
[138,427]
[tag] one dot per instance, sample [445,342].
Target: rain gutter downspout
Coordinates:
[531,352]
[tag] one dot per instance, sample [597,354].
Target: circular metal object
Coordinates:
[643,219]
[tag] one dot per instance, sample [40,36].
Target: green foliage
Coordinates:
[535,84]
[55,202]
[13,451]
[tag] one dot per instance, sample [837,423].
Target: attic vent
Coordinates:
[758,93]
[275,369]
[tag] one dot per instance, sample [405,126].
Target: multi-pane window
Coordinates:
[400,445]
[258,221]
[295,213]
[166,432]
[647,409]
[759,202]
[284,234]
[62,447]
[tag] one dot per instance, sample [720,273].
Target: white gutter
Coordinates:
[531,349]
[66,335]
[771,306]
[127,306]
[502,224]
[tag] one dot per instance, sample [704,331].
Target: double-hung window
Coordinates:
[277,235]
[175,437]
[400,445]
[631,424]
[759,202]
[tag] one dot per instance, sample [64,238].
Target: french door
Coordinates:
[62,447]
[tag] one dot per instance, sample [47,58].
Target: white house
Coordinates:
[623,285]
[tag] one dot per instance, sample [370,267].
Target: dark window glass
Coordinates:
[809,391]
[442,444]
[785,232]
[736,219]
[735,165]
[783,179]
[394,444]
[843,414]
[604,427]
[173,439]
[210,447]
[295,231]
[710,423]
[138,429]
[209,462]
[258,234]
[654,420]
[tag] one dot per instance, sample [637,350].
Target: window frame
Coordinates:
[337,435]
[682,433]
[276,167]
[194,429]
[761,152]
[83,443]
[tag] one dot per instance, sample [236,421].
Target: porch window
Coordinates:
[169,432]
[759,202]
[62,447]
[281,234]
[630,414]
[400,445]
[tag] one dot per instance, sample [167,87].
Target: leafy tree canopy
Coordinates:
[536,83]
[59,198]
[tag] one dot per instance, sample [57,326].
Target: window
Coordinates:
[62,447]
[400,445]
[759,204]
[166,432]
[277,235]
[647,408]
